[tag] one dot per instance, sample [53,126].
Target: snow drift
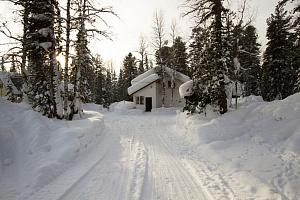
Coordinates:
[33,147]
[257,146]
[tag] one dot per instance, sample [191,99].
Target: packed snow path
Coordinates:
[249,153]
[134,160]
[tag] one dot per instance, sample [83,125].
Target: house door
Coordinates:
[148,104]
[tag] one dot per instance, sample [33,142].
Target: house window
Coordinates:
[139,100]
[142,100]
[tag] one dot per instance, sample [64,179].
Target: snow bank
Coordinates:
[185,90]
[40,148]
[122,107]
[166,111]
[257,146]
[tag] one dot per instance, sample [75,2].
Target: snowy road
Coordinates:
[250,153]
[133,159]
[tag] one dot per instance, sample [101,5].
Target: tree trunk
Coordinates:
[66,75]
[220,68]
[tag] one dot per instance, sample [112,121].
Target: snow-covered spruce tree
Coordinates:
[295,40]
[100,79]
[199,64]
[130,72]
[180,56]
[250,61]
[115,94]
[108,90]
[277,69]
[210,12]
[42,56]
[122,90]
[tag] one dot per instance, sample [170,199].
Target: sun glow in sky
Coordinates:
[61,59]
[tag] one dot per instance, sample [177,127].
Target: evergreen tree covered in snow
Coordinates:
[210,12]
[295,40]
[180,56]
[45,76]
[108,91]
[121,88]
[100,80]
[114,82]
[130,72]
[250,61]
[164,56]
[277,69]
[200,67]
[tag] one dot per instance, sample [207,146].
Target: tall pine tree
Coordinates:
[130,72]
[45,76]
[211,12]
[277,69]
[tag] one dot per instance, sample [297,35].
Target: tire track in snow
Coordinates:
[167,178]
[87,176]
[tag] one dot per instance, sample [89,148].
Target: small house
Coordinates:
[147,89]
[13,82]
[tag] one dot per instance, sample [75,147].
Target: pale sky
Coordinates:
[136,18]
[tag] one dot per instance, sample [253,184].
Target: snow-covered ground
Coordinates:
[249,153]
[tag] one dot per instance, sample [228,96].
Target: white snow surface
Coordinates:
[123,153]
[143,75]
[186,89]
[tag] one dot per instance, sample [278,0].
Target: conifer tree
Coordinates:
[180,56]
[115,94]
[108,95]
[42,56]
[210,12]
[130,72]
[277,69]
[122,89]
[250,61]
[295,40]
[100,79]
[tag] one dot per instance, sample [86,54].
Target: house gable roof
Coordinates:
[152,75]
[7,78]
[142,83]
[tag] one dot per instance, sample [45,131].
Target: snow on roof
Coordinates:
[6,77]
[149,76]
[142,83]
[185,90]
[143,76]
[180,76]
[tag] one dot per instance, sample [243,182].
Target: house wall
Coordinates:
[177,100]
[149,91]
[154,90]
[2,89]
